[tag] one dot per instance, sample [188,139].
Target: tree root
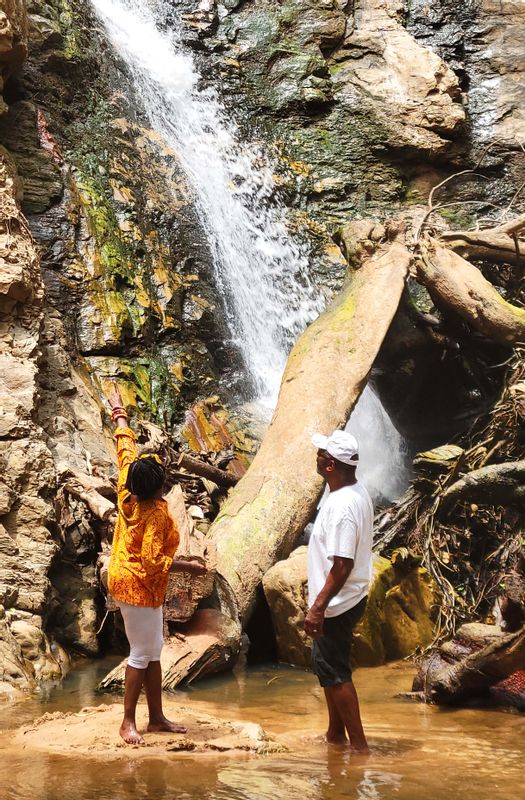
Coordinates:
[494,484]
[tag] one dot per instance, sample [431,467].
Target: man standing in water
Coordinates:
[339,571]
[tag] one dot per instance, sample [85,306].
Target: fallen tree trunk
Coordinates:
[496,483]
[473,676]
[209,643]
[461,288]
[326,372]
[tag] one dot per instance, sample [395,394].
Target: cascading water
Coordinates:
[382,452]
[261,271]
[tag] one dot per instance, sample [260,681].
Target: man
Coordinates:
[339,570]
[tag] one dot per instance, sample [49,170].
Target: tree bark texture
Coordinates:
[325,374]
[460,287]
[475,674]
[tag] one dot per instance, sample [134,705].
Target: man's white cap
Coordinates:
[340,445]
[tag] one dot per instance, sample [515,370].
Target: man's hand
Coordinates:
[313,623]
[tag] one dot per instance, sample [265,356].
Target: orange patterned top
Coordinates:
[145,539]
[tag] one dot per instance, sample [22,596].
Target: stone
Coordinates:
[74,614]
[410,87]
[38,171]
[397,621]
[36,649]
[14,670]
[286,590]
[17,253]
[484,43]
[18,379]
[13,40]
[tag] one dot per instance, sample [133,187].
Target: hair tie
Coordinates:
[154,456]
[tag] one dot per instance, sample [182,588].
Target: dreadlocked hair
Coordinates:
[145,477]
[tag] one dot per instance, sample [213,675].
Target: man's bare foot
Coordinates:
[164,724]
[336,740]
[130,734]
[360,751]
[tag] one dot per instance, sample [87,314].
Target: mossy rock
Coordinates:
[398,618]
[397,621]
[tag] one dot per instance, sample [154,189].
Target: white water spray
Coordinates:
[382,454]
[261,271]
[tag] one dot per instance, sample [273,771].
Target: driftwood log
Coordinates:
[326,372]
[94,492]
[494,484]
[209,643]
[455,674]
[204,470]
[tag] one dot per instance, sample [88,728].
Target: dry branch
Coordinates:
[197,467]
[488,245]
[83,487]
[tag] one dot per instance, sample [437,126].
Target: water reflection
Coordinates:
[417,752]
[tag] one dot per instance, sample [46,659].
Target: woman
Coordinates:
[144,544]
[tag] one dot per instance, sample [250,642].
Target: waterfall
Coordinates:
[260,269]
[382,452]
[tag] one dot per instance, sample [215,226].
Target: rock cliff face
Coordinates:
[104,276]
[105,270]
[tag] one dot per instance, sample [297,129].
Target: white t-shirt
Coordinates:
[344,527]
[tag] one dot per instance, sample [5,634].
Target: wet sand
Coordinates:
[92,732]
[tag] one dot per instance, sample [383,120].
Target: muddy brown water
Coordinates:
[417,752]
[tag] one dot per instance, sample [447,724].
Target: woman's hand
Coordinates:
[194,567]
[114,396]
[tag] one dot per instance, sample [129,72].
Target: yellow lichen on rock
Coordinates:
[397,621]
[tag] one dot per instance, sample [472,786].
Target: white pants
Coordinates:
[144,628]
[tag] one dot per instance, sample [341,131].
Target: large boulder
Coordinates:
[398,619]
[13,40]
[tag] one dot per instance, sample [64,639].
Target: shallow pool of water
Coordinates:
[417,752]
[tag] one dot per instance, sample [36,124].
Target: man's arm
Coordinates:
[335,580]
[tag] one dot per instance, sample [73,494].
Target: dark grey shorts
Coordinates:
[331,652]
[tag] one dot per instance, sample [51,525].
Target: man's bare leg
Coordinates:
[344,697]
[132,685]
[336,733]
[153,689]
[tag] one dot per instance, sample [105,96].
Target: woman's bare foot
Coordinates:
[164,724]
[130,734]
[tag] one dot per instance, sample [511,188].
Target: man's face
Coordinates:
[325,462]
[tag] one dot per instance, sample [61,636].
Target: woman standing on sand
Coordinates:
[144,544]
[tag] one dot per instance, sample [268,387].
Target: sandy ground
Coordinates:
[93,733]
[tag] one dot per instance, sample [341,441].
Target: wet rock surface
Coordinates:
[397,620]
[483,42]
